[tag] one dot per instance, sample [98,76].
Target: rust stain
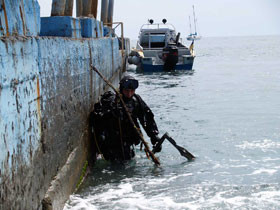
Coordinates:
[17,103]
[6,19]
[39,105]
[96,33]
[91,75]
[100,29]
[74,29]
[30,148]
[38,91]
[94,7]
[22,19]
[1,27]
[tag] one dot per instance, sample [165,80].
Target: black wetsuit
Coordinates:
[114,133]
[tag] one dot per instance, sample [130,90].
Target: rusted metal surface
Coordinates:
[68,8]
[13,18]
[94,7]
[86,8]
[22,15]
[3,6]
[110,13]
[104,11]
[62,8]
[87,4]
[46,95]
[79,8]
[58,7]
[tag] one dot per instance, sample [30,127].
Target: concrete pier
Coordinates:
[47,92]
[46,95]
[18,19]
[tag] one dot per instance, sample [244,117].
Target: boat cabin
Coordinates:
[156,35]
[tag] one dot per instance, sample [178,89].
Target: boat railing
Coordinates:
[138,46]
[157,26]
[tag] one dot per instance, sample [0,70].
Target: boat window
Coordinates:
[156,40]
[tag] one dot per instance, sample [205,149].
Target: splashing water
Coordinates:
[225,112]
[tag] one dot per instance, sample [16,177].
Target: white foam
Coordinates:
[263,170]
[218,198]
[121,190]
[124,197]
[271,196]
[177,176]
[77,203]
[264,144]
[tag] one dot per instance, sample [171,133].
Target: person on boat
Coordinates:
[114,134]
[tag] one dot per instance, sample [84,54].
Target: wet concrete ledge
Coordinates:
[72,171]
[46,94]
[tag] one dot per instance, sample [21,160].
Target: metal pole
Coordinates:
[58,7]
[94,6]
[194,20]
[86,8]
[79,8]
[68,8]
[104,11]
[110,13]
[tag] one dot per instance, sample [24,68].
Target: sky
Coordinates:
[214,17]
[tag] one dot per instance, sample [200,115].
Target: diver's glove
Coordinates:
[155,140]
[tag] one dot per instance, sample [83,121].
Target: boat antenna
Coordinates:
[190,25]
[194,20]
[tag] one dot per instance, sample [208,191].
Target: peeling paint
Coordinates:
[46,94]
[74,28]
[23,21]
[19,18]
[6,18]
[42,99]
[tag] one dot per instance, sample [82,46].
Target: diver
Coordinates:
[114,134]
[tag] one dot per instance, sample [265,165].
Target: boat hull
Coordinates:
[149,68]
[193,38]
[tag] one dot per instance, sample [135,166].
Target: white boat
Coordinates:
[193,36]
[159,49]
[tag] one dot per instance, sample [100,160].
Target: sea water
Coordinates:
[226,113]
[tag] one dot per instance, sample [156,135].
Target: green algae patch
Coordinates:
[83,175]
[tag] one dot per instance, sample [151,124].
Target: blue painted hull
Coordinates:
[159,68]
